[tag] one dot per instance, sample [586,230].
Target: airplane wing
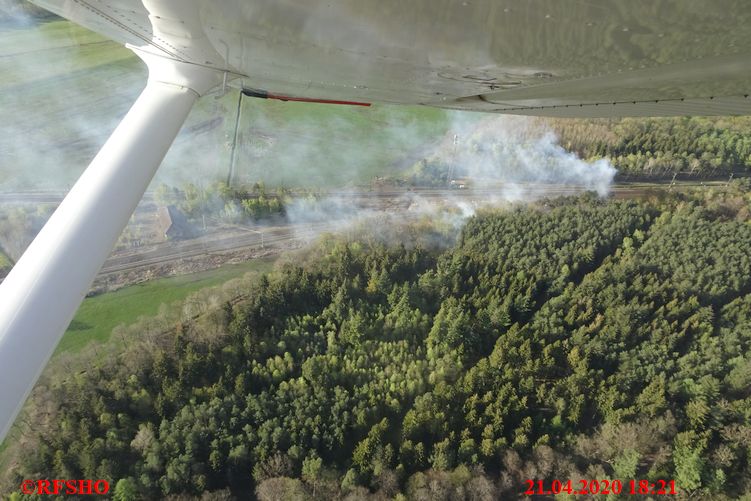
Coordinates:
[565,58]
[568,58]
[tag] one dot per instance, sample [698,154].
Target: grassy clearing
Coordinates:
[325,145]
[52,50]
[98,315]
[5,263]
[63,89]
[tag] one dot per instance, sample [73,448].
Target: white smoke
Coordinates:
[480,161]
[87,84]
[518,159]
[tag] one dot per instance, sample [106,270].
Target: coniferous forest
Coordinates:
[574,339]
[703,147]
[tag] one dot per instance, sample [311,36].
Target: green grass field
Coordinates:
[4,262]
[325,145]
[63,89]
[98,315]
[38,53]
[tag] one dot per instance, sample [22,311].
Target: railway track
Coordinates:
[55,197]
[174,251]
[387,200]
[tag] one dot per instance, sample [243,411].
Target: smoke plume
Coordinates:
[514,156]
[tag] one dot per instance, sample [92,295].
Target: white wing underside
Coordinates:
[567,58]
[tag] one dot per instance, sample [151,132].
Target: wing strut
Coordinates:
[43,290]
